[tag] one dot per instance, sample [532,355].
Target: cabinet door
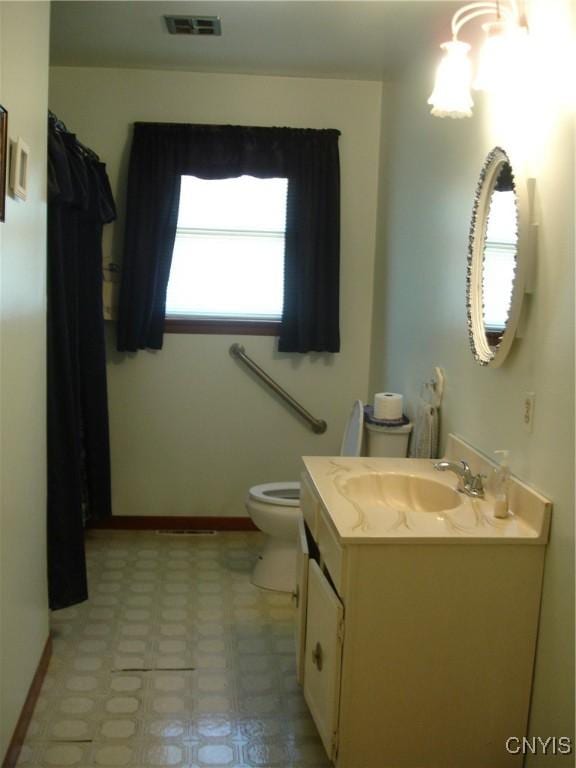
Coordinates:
[301,598]
[323,657]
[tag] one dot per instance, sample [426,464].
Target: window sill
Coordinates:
[230,327]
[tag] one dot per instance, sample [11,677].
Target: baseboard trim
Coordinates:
[13,753]
[174,523]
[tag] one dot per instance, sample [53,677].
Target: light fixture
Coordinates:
[451,96]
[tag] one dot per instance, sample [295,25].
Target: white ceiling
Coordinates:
[358,39]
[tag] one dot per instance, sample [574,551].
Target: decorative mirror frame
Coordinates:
[482,351]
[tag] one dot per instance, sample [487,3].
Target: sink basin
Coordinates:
[401,492]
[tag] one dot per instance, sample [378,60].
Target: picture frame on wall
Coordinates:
[3,160]
[19,169]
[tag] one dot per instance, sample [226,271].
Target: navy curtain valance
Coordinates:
[163,152]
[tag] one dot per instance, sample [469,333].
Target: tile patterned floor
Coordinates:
[175,660]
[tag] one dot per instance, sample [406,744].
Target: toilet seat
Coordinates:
[352,438]
[280,494]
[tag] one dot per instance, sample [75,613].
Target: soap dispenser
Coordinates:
[499,484]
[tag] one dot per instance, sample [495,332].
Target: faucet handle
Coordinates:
[476,485]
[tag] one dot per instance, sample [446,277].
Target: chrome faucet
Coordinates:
[468,483]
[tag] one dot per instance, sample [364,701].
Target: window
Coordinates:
[163,153]
[227,269]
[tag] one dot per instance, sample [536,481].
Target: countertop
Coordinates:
[358,517]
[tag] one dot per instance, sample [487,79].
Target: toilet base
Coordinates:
[276,566]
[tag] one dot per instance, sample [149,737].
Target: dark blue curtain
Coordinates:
[79,204]
[163,152]
[505,180]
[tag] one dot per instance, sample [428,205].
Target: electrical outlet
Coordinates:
[528,410]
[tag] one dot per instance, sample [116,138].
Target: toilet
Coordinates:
[275,507]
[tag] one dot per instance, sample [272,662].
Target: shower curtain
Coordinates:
[80,202]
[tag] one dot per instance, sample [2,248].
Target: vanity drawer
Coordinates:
[309,505]
[331,553]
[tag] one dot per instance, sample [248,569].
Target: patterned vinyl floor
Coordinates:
[175,660]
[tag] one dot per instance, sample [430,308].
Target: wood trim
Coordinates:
[13,753]
[172,523]
[230,327]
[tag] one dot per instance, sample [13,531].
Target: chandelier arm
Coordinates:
[485,4]
[473,10]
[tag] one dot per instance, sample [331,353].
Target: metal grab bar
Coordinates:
[318,425]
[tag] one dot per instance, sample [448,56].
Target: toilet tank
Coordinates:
[391,442]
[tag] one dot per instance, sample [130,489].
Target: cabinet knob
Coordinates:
[317,656]
[296,595]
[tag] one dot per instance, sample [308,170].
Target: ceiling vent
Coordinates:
[193,25]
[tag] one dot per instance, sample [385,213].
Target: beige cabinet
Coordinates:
[323,656]
[415,655]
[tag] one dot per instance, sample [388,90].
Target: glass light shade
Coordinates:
[500,56]
[451,95]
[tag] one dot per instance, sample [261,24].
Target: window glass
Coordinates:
[228,259]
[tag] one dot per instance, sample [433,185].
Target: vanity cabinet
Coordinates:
[323,655]
[414,654]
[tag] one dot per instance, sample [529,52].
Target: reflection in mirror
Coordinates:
[499,264]
[493,290]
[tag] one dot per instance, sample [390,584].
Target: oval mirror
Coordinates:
[494,290]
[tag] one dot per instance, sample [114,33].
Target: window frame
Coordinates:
[211,325]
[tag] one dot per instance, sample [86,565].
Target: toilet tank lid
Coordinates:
[352,438]
[402,429]
[369,419]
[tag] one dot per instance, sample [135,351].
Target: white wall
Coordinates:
[24,612]
[429,178]
[190,429]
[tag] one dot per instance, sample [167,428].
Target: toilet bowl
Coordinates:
[275,510]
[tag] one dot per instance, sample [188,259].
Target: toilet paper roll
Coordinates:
[388,406]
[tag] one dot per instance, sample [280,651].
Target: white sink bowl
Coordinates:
[401,492]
